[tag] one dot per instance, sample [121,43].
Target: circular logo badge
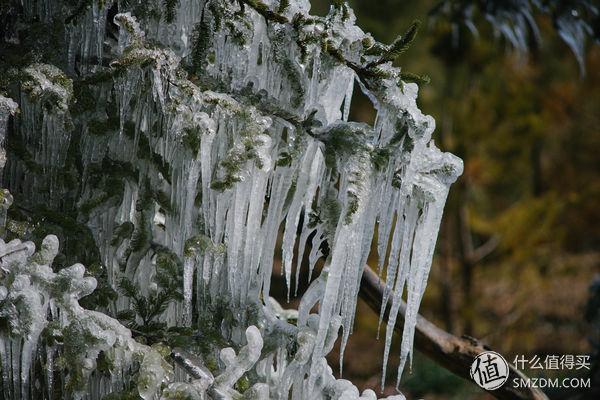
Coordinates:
[489,370]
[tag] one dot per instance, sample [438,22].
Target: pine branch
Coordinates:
[402,43]
[169,6]
[398,47]
[265,11]
[283,6]
[364,72]
[409,77]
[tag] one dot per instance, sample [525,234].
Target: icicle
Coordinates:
[304,191]
[188,279]
[7,108]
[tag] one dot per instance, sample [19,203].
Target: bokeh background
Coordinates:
[519,246]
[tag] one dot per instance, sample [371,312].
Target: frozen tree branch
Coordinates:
[169,142]
[191,364]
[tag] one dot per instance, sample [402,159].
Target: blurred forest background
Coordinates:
[519,246]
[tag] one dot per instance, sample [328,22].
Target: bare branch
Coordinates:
[484,250]
[451,352]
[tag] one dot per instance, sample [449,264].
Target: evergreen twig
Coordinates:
[402,43]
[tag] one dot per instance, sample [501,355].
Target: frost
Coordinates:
[187,145]
[48,85]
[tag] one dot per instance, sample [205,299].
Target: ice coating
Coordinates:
[196,140]
[8,107]
[35,299]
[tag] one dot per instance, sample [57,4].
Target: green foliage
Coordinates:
[129,392]
[402,43]
[327,214]
[146,152]
[191,140]
[201,244]
[352,208]
[121,232]
[343,7]
[233,164]
[290,67]
[216,317]
[410,77]
[284,160]
[37,221]
[76,340]
[144,317]
[109,177]
[102,127]
[15,145]
[169,7]
[265,11]
[242,384]
[283,6]
[104,295]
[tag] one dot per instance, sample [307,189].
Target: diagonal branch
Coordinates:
[451,352]
[485,249]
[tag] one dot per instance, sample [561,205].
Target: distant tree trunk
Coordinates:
[466,249]
[447,290]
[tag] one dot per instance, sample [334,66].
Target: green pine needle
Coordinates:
[283,6]
[169,6]
[409,77]
[402,43]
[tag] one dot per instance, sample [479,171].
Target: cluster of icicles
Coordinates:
[212,172]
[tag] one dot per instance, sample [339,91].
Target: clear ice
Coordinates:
[188,139]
